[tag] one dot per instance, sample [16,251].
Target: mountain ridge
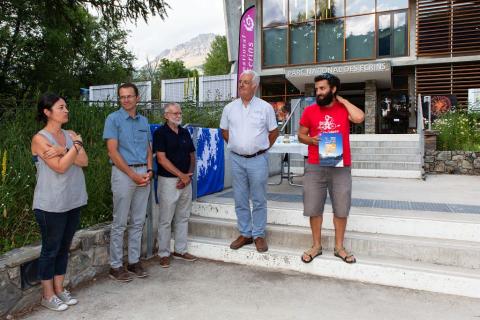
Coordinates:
[192,52]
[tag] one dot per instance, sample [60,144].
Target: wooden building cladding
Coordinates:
[448,79]
[448,27]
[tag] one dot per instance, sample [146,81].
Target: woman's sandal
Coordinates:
[345,259]
[312,253]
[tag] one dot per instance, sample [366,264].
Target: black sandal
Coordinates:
[319,253]
[345,259]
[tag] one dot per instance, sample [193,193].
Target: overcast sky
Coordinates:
[186,19]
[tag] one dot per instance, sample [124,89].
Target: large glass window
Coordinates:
[385,5]
[321,31]
[301,10]
[330,9]
[384,35]
[274,12]
[392,34]
[302,43]
[359,7]
[275,46]
[360,33]
[330,40]
[400,34]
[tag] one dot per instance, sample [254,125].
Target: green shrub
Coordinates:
[17,183]
[17,223]
[458,130]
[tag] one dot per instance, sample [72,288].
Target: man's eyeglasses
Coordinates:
[126,97]
[175,113]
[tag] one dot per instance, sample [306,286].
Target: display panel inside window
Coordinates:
[302,43]
[330,40]
[274,46]
[360,37]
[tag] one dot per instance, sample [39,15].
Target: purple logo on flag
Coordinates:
[246,43]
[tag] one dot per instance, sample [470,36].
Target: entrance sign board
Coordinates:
[339,69]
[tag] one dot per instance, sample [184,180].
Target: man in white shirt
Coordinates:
[250,128]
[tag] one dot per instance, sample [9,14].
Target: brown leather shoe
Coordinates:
[164,262]
[120,274]
[240,242]
[186,256]
[261,244]
[137,270]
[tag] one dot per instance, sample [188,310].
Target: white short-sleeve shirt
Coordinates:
[248,126]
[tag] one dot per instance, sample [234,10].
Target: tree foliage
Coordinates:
[59,45]
[217,62]
[173,69]
[163,69]
[117,11]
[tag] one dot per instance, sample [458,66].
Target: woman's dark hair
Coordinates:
[47,101]
[332,80]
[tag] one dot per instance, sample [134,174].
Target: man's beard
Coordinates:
[326,100]
[177,122]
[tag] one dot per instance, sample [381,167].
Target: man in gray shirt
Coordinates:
[128,140]
[250,128]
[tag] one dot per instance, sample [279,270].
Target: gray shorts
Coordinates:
[317,180]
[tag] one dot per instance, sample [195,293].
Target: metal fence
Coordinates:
[206,114]
[207,88]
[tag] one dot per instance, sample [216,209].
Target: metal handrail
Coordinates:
[421,133]
[282,129]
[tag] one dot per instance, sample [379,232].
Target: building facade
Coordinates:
[385,52]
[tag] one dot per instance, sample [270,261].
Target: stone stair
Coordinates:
[427,250]
[386,155]
[380,155]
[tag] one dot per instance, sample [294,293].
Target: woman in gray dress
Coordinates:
[59,195]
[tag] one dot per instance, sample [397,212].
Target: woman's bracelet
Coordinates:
[78,143]
[74,145]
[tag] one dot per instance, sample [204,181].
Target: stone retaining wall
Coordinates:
[88,258]
[453,162]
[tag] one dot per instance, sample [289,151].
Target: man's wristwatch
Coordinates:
[149,170]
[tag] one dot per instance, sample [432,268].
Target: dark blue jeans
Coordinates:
[57,231]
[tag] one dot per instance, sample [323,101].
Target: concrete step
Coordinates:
[381,173]
[422,224]
[385,137]
[389,150]
[386,165]
[385,144]
[437,251]
[387,157]
[389,272]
